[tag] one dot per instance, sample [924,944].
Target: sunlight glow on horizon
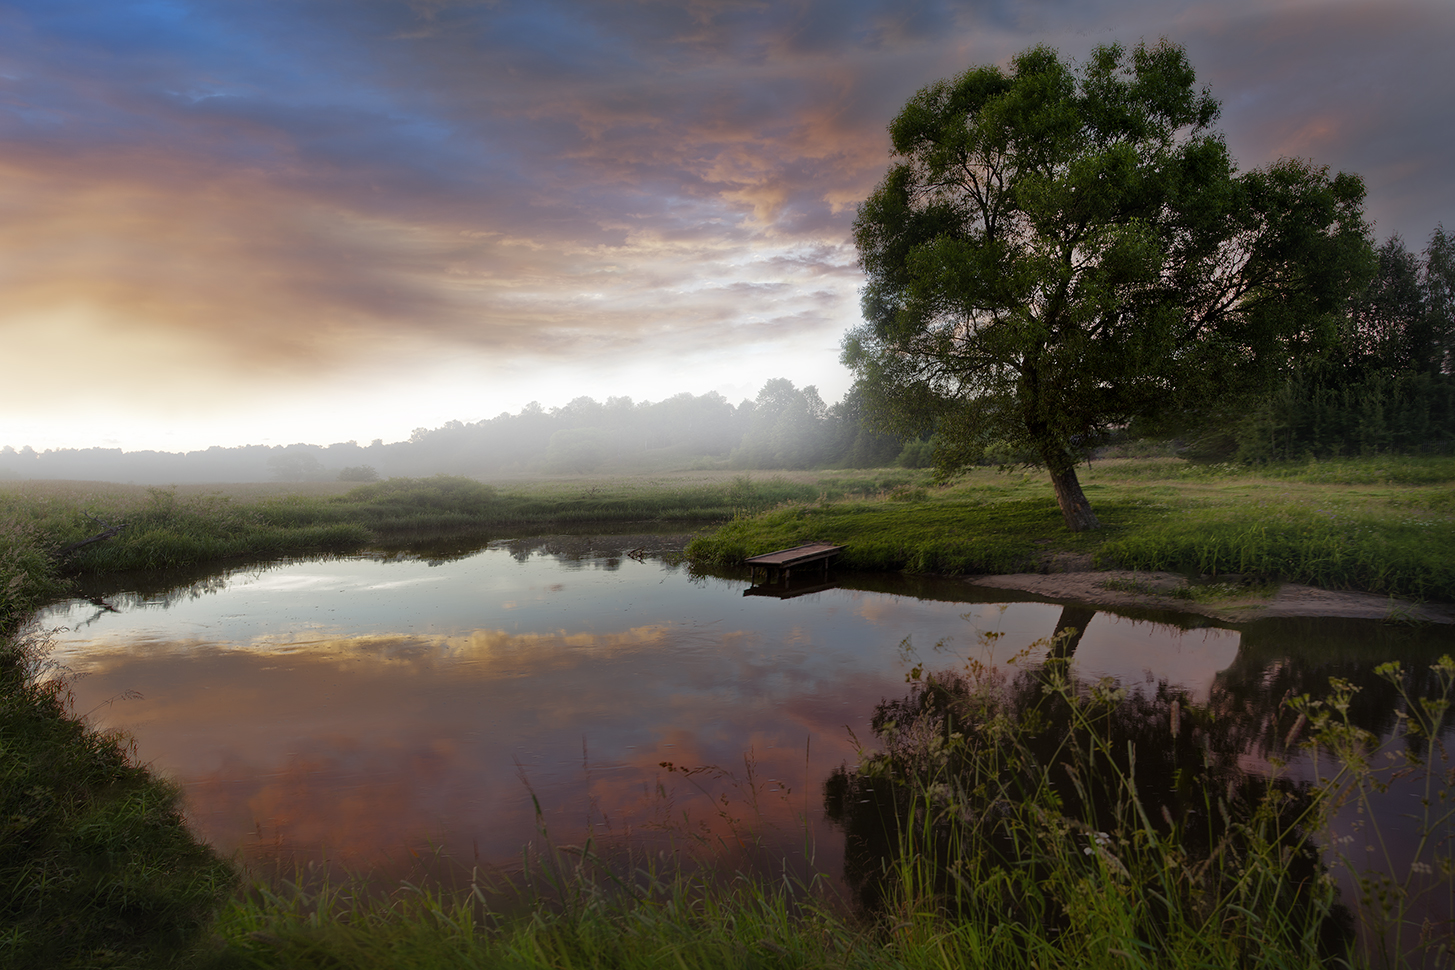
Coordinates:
[231,223]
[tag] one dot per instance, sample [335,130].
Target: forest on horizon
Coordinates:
[784,427]
[1385,384]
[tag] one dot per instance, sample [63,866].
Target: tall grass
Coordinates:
[671,921]
[1035,822]
[28,574]
[1037,826]
[1380,525]
[1406,905]
[162,529]
[97,865]
[1374,470]
[1407,554]
[1056,824]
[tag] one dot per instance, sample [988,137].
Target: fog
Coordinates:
[784,427]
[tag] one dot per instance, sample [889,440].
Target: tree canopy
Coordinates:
[1058,249]
[1385,384]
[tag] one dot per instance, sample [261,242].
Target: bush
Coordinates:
[916,454]
[359,473]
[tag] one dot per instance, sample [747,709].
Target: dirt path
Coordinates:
[1170,591]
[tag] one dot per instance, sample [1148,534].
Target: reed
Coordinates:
[1074,824]
[163,528]
[1027,822]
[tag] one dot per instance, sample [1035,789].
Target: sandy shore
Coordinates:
[1159,591]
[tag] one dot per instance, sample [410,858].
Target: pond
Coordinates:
[385,711]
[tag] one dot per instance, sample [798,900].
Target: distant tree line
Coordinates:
[785,427]
[1383,381]
[1379,379]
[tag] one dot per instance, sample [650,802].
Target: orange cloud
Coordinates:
[281,200]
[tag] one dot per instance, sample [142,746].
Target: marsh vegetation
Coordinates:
[971,848]
[1379,525]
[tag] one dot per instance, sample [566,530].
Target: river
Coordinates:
[392,711]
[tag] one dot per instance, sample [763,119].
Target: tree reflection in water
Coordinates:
[1046,802]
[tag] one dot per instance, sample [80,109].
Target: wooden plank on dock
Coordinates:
[797,556]
[785,560]
[787,591]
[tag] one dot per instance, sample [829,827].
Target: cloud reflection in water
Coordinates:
[422,725]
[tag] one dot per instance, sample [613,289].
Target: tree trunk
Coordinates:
[1075,509]
[1069,629]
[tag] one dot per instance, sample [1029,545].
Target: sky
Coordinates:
[272,221]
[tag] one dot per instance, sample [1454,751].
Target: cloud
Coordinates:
[1345,84]
[365,747]
[282,193]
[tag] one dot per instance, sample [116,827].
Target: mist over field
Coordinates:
[784,427]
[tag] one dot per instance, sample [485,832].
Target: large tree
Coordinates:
[1059,249]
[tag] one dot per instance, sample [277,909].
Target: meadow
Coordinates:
[1381,525]
[996,856]
[1378,525]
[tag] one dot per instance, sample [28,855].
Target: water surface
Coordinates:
[376,709]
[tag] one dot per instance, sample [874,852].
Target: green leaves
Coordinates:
[1061,249]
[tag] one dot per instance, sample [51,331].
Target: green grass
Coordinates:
[944,536]
[1374,470]
[164,529]
[29,575]
[1380,525]
[96,863]
[677,921]
[1380,553]
[1035,822]
[100,869]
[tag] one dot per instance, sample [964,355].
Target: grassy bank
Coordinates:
[1383,525]
[1380,525]
[167,528]
[97,865]
[994,856]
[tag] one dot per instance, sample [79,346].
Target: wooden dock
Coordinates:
[784,561]
[788,591]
